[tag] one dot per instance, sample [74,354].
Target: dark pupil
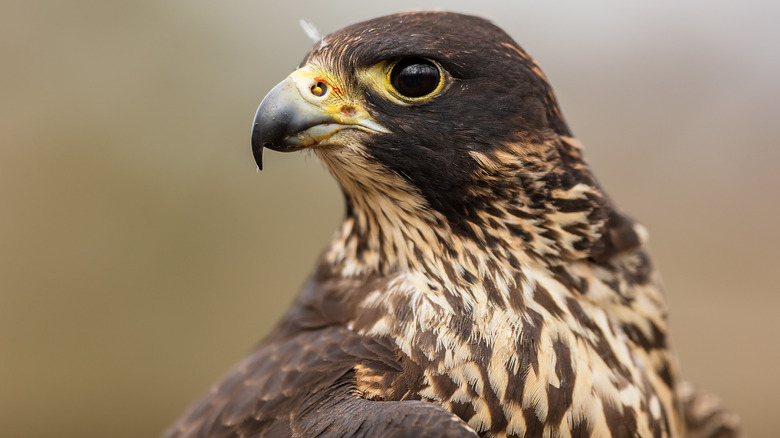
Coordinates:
[415,77]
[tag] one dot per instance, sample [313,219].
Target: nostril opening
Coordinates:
[319,89]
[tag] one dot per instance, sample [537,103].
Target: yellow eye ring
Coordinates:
[414,79]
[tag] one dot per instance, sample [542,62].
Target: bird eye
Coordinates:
[415,77]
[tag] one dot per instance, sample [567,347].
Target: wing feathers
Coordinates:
[304,385]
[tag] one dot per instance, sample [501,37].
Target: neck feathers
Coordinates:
[524,202]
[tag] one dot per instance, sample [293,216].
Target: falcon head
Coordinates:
[445,117]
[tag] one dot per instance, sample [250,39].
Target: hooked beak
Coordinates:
[304,110]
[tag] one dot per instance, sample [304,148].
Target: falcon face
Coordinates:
[481,283]
[424,108]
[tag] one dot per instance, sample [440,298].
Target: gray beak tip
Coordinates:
[257,147]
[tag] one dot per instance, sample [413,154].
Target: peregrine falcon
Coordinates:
[481,283]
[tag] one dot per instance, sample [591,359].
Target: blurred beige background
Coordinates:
[141,255]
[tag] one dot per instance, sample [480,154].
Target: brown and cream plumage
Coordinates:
[481,284]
